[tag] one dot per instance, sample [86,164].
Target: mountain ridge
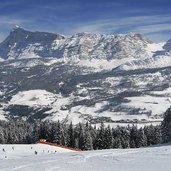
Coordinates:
[80,46]
[117,79]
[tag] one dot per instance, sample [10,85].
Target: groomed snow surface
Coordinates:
[48,158]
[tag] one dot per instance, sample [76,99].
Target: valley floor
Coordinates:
[23,158]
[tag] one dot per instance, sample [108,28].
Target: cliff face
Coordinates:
[25,44]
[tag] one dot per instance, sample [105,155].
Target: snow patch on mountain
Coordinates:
[166,92]
[34,62]
[1,93]
[1,60]
[101,64]
[152,48]
[33,97]
[152,62]
[152,104]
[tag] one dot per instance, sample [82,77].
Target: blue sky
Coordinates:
[151,18]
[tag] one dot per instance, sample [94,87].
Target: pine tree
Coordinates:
[44,130]
[70,139]
[117,142]
[132,143]
[57,133]
[108,138]
[166,126]
[63,136]
[125,137]
[134,137]
[141,138]
[88,141]
[157,135]
[2,139]
[81,136]
[99,144]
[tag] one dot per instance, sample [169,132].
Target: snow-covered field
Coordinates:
[22,158]
[146,104]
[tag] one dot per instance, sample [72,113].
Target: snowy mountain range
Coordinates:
[25,44]
[86,76]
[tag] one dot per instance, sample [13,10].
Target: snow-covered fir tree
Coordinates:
[166,126]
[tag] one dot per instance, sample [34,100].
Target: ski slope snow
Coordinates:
[22,158]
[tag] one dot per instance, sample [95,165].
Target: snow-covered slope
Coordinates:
[157,57]
[21,150]
[150,107]
[49,89]
[22,158]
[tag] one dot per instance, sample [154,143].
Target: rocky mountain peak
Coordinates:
[19,33]
[26,44]
[139,36]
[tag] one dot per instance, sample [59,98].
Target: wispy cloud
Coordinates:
[69,17]
[8,22]
[147,25]
[154,28]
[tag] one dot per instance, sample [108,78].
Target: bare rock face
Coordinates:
[25,44]
[167,46]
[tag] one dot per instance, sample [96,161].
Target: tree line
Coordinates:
[82,136]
